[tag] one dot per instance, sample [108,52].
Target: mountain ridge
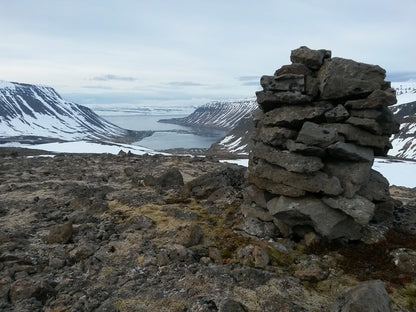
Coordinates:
[33,111]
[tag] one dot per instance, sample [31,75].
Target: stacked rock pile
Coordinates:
[320,122]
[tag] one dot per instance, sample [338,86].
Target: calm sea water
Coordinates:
[167,136]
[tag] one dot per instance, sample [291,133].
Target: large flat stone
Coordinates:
[349,151]
[285,159]
[315,134]
[342,79]
[313,59]
[316,182]
[362,137]
[286,82]
[376,99]
[358,207]
[269,100]
[295,116]
[366,113]
[353,175]
[274,187]
[295,68]
[367,124]
[328,222]
[275,136]
[304,149]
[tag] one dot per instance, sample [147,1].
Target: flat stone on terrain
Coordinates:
[285,82]
[290,161]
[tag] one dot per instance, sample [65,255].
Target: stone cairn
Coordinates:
[320,122]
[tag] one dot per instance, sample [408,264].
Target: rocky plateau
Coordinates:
[83,232]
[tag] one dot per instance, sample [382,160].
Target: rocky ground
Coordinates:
[159,233]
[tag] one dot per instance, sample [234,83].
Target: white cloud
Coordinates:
[192,49]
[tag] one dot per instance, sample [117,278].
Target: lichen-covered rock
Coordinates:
[368,296]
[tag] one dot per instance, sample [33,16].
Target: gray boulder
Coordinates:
[343,78]
[368,296]
[367,124]
[377,188]
[328,222]
[313,59]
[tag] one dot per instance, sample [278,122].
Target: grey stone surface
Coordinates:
[295,68]
[315,134]
[381,144]
[377,188]
[343,78]
[367,124]
[352,175]
[295,116]
[337,114]
[290,161]
[370,296]
[285,82]
[268,100]
[276,136]
[358,207]
[313,59]
[304,149]
[277,188]
[311,211]
[315,182]
[376,99]
[349,151]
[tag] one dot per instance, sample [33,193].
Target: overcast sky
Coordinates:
[180,51]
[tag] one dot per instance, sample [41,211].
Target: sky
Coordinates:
[180,52]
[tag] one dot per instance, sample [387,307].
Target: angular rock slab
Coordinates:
[275,188]
[311,211]
[370,296]
[381,144]
[290,161]
[352,175]
[269,100]
[342,78]
[275,136]
[376,99]
[295,116]
[358,207]
[313,59]
[286,82]
[349,151]
[316,182]
[314,134]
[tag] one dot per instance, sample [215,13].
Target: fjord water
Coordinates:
[166,136]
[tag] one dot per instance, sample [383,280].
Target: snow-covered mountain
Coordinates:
[404,143]
[222,115]
[38,112]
